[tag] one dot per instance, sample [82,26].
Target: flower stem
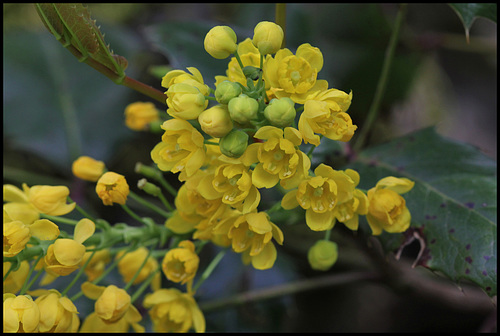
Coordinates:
[280,18]
[210,268]
[382,83]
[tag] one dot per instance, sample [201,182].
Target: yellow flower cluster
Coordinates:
[268,106]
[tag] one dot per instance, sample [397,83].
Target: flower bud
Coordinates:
[251,72]
[267,37]
[88,169]
[242,109]
[185,101]
[50,200]
[138,115]
[226,91]
[112,305]
[112,188]
[220,42]
[148,187]
[322,255]
[280,112]
[234,143]
[216,121]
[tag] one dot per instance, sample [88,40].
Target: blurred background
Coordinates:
[56,109]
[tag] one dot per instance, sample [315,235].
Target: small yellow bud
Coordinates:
[216,121]
[185,101]
[112,188]
[267,37]
[280,112]
[226,91]
[113,303]
[220,42]
[139,115]
[88,169]
[50,200]
[322,255]
[234,143]
[243,109]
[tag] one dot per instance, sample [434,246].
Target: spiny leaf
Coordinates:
[469,12]
[72,25]
[453,204]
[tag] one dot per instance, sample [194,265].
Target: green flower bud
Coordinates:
[242,109]
[216,121]
[280,112]
[234,143]
[251,72]
[322,255]
[226,91]
[267,37]
[148,187]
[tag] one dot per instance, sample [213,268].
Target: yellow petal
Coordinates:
[84,229]
[44,229]
[68,252]
[319,221]
[11,193]
[265,259]
[92,291]
[289,200]
[263,179]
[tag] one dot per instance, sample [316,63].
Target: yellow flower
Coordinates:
[387,208]
[180,76]
[112,188]
[132,261]
[97,265]
[16,235]
[174,311]
[319,195]
[15,279]
[182,149]
[251,234]
[49,200]
[181,263]
[57,313]
[279,158]
[249,56]
[317,117]
[292,76]
[88,169]
[349,211]
[65,255]
[216,121]
[185,101]
[112,304]
[20,314]
[113,310]
[322,255]
[267,37]
[234,182]
[139,115]
[24,212]
[220,42]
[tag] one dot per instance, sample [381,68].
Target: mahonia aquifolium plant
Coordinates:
[228,145]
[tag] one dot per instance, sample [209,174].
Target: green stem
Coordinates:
[131,213]
[382,83]
[78,275]
[239,60]
[27,284]
[144,285]
[280,18]
[60,219]
[147,204]
[210,268]
[80,210]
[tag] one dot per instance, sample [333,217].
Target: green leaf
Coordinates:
[469,12]
[453,203]
[72,25]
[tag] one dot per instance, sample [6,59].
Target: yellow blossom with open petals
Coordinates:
[251,234]
[57,313]
[174,311]
[181,263]
[292,76]
[319,195]
[112,188]
[279,159]
[319,118]
[234,182]
[387,208]
[20,314]
[182,149]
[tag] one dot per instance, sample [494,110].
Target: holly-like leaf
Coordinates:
[72,25]
[469,12]
[453,203]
